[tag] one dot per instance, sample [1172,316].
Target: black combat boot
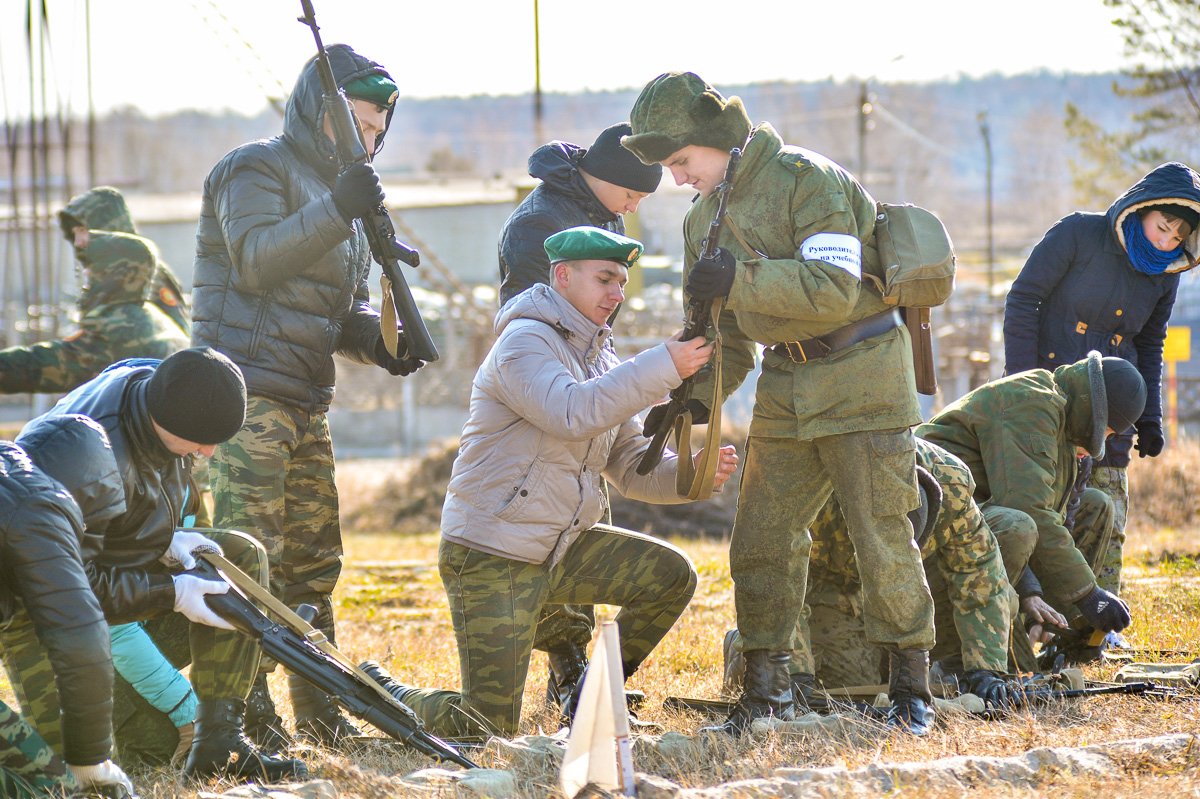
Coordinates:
[908,690]
[766,691]
[263,724]
[803,686]
[318,719]
[221,748]
[568,665]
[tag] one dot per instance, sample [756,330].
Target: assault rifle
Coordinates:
[349,687]
[387,250]
[696,322]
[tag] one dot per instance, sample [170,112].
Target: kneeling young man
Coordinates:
[552,415]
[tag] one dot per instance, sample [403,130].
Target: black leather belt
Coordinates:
[813,348]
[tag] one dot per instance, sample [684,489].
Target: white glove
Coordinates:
[183,544]
[190,591]
[106,773]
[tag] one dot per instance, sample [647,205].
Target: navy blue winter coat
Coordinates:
[562,200]
[1079,292]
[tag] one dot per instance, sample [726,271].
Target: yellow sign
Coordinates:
[1178,346]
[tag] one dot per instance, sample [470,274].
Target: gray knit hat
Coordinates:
[677,109]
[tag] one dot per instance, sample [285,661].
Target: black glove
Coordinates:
[357,191]
[402,366]
[1149,439]
[1104,611]
[993,690]
[712,277]
[655,417]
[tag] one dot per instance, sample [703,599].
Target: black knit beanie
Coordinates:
[198,395]
[1187,214]
[1125,391]
[608,160]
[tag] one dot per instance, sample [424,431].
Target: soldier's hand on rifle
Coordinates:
[1104,611]
[401,366]
[710,278]
[190,591]
[689,355]
[1149,439]
[994,690]
[183,544]
[1040,612]
[726,466]
[104,779]
[357,191]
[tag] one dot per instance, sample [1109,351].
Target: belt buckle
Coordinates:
[798,347]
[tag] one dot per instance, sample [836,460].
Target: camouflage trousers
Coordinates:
[784,485]
[495,604]
[1114,482]
[28,765]
[223,666]
[275,480]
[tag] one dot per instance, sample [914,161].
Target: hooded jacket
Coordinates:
[562,200]
[104,209]
[1079,292]
[117,321]
[281,277]
[41,526]
[551,414]
[1018,435]
[121,556]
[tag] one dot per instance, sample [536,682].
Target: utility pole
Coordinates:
[537,79]
[864,125]
[986,131]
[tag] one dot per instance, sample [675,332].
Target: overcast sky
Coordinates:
[167,55]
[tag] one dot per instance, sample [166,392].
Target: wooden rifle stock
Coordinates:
[386,249]
[695,324]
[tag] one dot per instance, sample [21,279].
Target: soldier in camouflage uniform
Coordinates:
[836,397]
[551,418]
[974,602]
[44,590]
[104,209]
[117,321]
[1020,436]
[282,262]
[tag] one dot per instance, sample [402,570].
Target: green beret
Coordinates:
[375,88]
[587,243]
[677,109]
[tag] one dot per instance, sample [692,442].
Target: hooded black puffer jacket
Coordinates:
[562,200]
[1079,292]
[280,277]
[41,526]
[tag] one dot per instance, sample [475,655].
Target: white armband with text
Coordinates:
[840,249]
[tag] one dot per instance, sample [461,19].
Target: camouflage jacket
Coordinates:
[104,209]
[960,546]
[791,205]
[1018,435]
[117,321]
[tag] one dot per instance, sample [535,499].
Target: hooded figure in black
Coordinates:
[46,601]
[1107,282]
[280,287]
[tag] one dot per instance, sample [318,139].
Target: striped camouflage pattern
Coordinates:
[275,481]
[104,209]
[223,662]
[116,322]
[495,604]
[28,765]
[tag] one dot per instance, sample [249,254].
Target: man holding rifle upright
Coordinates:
[282,261]
[836,397]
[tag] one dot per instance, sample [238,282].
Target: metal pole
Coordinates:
[537,78]
[91,100]
[986,131]
[864,113]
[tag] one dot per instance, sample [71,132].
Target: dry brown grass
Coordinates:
[392,609]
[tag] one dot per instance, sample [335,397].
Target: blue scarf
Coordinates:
[1145,257]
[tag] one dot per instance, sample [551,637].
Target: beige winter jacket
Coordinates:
[551,412]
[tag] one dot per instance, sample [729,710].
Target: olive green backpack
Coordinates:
[916,254]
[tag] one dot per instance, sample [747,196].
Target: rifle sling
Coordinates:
[388,317]
[252,590]
[692,481]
